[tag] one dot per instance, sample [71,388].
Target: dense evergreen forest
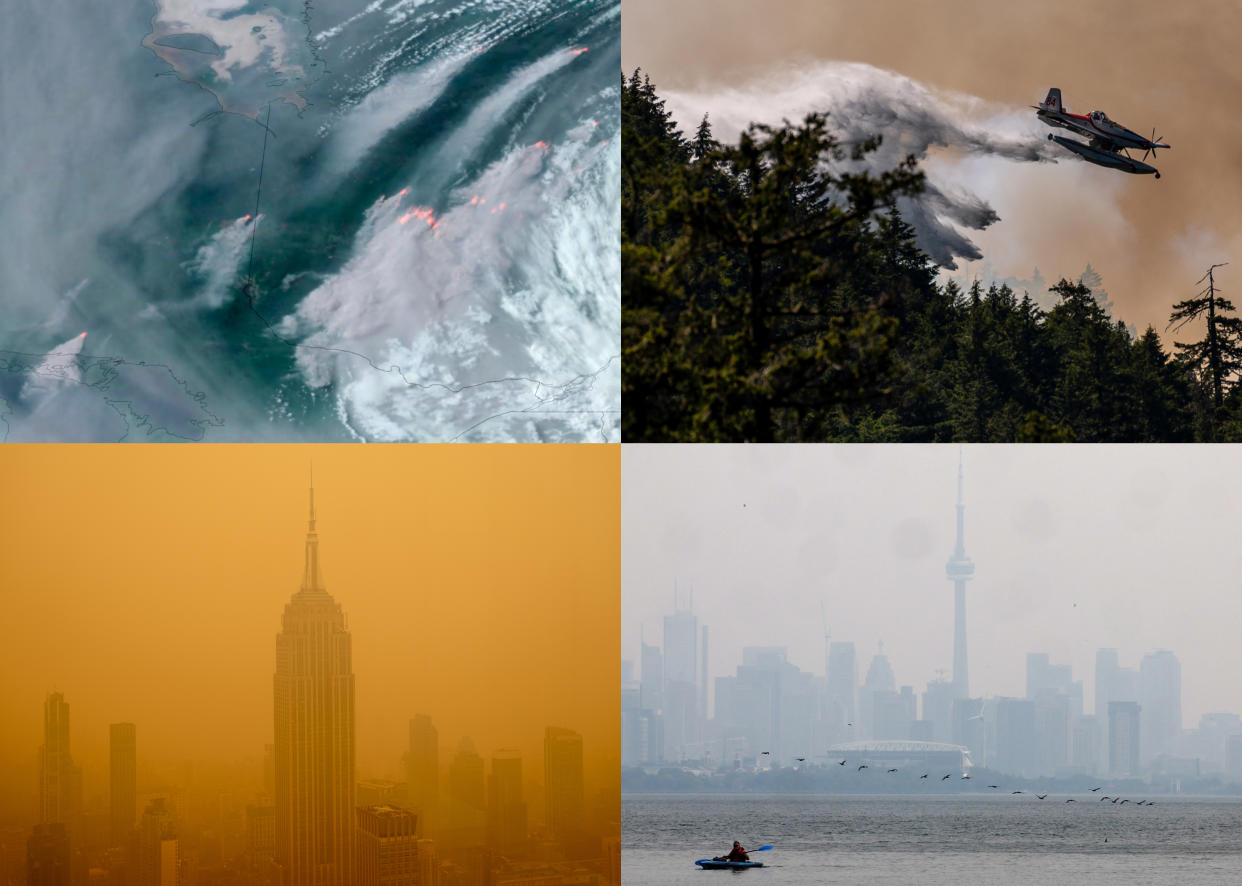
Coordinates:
[770,296]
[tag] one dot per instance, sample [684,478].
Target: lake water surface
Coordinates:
[933,841]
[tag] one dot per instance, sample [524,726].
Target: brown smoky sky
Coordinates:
[1174,66]
[146,583]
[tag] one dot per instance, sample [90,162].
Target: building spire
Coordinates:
[959,474]
[959,570]
[310,575]
[960,567]
[312,496]
[959,550]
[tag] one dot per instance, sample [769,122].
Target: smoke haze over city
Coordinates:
[149,585]
[1074,549]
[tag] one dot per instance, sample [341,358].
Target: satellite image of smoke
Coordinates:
[231,220]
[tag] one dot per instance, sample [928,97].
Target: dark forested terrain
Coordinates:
[771,292]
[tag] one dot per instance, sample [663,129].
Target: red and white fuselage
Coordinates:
[1095,125]
[1107,138]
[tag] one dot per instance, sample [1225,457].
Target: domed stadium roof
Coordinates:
[899,746]
[921,751]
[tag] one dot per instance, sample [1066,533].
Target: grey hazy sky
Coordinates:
[1075,548]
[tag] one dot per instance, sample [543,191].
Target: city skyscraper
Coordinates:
[563,787]
[1042,675]
[47,856]
[159,848]
[1016,744]
[938,709]
[387,847]
[1106,667]
[260,832]
[269,770]
[314,731]
[1112,683]
[463,815]
[681,631]
[1123,737]
[842,689]
[681,688]
[651,704]
[123,780]
[60,780]
[652,678]
[506,803]
[880,677]
[703,678]
[1160,696]
[466,781]
[422,764]
[880,681]
[1085,752]
[959,570]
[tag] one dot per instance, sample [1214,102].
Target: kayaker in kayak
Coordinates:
[737,859]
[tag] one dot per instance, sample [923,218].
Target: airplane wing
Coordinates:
[1079,128]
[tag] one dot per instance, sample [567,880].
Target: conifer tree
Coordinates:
[1218,357]
[703,143]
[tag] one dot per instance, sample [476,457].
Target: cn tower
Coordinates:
[959,570]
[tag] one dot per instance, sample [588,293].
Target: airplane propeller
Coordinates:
[1153,143]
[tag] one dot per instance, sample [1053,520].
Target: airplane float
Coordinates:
[1108,143]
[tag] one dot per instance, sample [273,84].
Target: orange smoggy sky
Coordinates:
[146,583]
[1174,66]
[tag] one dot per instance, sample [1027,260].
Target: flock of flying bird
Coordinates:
[966,777]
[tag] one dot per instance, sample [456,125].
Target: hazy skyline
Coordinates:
[147,585]
[1075,548]
[1147,64]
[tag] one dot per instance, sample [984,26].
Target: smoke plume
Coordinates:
[863,101]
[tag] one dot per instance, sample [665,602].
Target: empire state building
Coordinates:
[314,707]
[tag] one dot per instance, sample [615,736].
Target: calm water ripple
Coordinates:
[934,841]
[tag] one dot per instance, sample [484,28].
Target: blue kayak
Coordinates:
[710,864]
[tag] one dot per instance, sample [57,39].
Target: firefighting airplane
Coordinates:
[1109,141]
